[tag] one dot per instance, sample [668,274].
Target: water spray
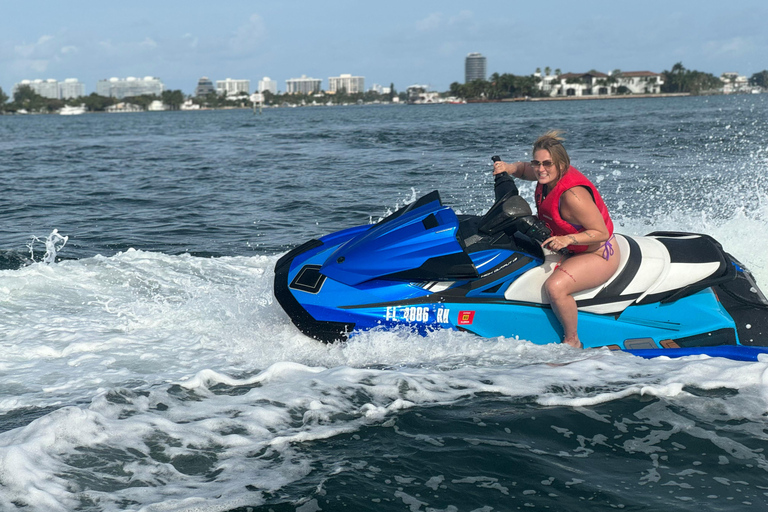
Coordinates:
[53,244]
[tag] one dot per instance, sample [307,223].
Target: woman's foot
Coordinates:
[574,342]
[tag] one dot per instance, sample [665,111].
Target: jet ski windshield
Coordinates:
[417,242]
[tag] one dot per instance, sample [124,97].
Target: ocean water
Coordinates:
[147,367]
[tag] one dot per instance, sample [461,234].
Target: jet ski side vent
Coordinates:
[308,279]
[322,330]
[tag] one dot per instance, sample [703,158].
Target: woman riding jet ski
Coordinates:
[427,268]
[572,208]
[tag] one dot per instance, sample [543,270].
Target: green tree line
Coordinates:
[679,79]
[498,87]
[760,79]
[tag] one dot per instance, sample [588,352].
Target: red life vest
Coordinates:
[549,207]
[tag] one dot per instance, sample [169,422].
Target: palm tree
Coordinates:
[547,70]
[678,68]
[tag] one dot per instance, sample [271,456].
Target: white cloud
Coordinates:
[463,18]
[35,58]
[148,42]
[38,65]
[438,21]
[27,50]
[191,40]
[250,35]
[735,46]
[69,49]
[432,22]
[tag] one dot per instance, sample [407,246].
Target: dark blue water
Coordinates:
[151,369]
[234,183]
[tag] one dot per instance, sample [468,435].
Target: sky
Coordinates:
[387,41]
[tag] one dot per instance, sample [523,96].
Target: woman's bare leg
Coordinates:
[576,273]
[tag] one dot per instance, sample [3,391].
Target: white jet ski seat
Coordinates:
[658,267]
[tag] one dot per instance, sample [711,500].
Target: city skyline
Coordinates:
[396,42]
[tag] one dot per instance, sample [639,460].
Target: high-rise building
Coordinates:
[232,87]
[474,67]
[303,85]
[53,89]
[124,88]
[45,88]
[350,84]
[267,84]
[71,88]
[204,87]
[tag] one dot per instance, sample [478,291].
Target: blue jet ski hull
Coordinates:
[425,268]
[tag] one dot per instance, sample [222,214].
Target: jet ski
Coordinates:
[426,268]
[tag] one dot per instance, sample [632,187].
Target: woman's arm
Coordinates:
[522,170]
[578,208]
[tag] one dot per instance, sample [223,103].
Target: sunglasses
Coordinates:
[545,163]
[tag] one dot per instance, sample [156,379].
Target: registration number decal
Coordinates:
[419,314]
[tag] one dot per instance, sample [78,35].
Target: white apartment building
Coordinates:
[303,85]
[124,88]
[53,89]
[267,84]
[45,88]
[350,84]
[230,87]
[71,88]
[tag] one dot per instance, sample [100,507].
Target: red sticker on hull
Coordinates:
[466,317]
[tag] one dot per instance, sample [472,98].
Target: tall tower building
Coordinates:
[474,67]
[204,87]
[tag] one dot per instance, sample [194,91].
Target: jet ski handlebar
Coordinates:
[511,213]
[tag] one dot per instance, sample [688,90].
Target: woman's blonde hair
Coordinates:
[553,142]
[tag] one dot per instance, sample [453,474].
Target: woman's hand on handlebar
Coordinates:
[558,243]
[503,167]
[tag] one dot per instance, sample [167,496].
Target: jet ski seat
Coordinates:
[653,268]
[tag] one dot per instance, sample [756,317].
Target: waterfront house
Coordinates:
[641,82]
[596,83]
[733,82]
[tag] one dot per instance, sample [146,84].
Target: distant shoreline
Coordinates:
[577,98]
[504,100]
[583,98]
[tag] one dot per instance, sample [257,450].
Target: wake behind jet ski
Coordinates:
[427,268]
